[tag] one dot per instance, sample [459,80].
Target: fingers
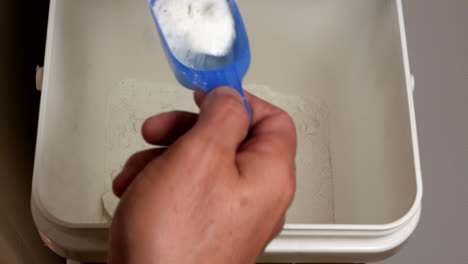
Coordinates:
[260,109]
[165,128]
[268,116]
[273,130]
[268,155]
[266,119]
[132,168]
[223,119]
[272,136]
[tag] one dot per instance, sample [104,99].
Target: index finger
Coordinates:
[268,155]
[273,130]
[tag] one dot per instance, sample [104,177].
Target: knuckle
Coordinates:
[200,151]
[287,121]
[133,160]
[287,143]
[206,143]
[287,187]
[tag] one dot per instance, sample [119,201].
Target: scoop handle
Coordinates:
[238,87]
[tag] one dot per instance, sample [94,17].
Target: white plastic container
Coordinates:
[351,55]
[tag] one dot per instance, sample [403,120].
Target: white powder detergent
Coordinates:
[131,102]
[194,28]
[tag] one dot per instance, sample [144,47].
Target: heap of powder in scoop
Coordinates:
[196,27]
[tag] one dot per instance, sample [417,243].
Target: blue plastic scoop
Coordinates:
[214,71]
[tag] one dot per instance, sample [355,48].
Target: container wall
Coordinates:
[371,147]
[347,55]
[95,45]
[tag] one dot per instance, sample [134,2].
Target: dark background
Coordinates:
[438,46]
[23,27]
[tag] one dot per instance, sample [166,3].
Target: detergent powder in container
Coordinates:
[200,33]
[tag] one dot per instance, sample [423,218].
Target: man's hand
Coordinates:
[217,194]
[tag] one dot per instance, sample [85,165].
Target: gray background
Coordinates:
[438,45]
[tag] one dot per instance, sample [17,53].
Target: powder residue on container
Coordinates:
[196,28]
[131,102]
[313,202]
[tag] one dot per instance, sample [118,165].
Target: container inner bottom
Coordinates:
[130,102]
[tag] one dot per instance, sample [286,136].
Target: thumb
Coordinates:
[223,119]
